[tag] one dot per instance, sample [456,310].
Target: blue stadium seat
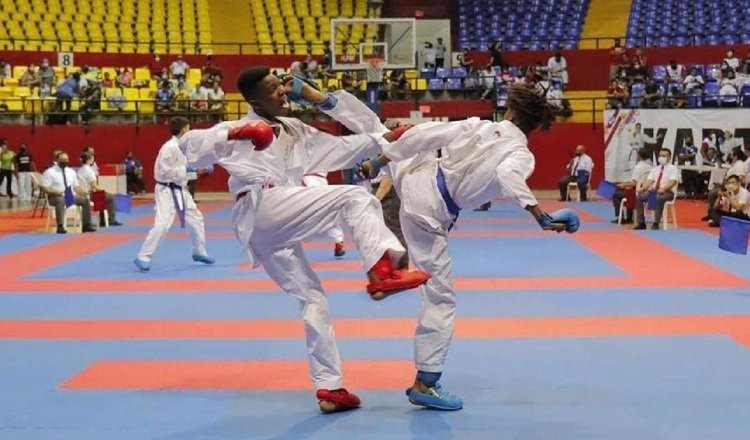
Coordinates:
[427,73]
[711,94]
[745,95]
[436,84]
[458,72]
[442,73]
[454,84]
[636,93]
[659,73]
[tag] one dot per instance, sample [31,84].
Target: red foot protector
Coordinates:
[337,400]
[391,281]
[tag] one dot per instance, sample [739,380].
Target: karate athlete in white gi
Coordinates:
[274,214]
[481,160]
[335,233]
[172,198]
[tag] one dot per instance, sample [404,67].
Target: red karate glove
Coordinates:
[259,132]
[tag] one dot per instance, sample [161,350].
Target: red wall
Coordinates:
[430,8]
[589,69]
[552,149]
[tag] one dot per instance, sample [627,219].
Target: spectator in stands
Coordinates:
[348,83]
[327,61]
[465,61]
[662,180]
[624,67]
[488,82]
[737,168]
[155,67]
[199,98]
[694,81]
[732,61]
[730,142]
[30,77]
[216,98]
[710,155]
[179,68]
[675,72]
[398,85]
[579,171]
[66,91]
[91,100]
[7,158]
[5,72]
[640,174]
[616,52]
[164,98]
[210,71]
[746,63]
[123,77]
[296,68]
[58,180]
[638,73]
[440,50]
[133,174]
[429,55]
[640,58]
[107,81]
[730,86]
[617,94]
[687,155]
[496,55]
[182,93]
[557,66]
[312,67]
[733,201]
[88,181]
[651,96]
[46,74]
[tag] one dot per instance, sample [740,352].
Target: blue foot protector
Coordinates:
[142,265]
[204,259]
[435,397]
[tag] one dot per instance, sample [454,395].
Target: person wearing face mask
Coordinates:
[627,189]
[60,184]
[737,168]
[663,180]
[731,61]
[733,201]
[579,171]
[558,66]
[88,179]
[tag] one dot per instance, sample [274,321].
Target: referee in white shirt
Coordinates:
[56,181]
[663,180]
[579,171]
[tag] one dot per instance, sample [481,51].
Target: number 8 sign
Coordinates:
[65,59]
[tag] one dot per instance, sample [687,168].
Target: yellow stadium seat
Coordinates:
[131,96]
[22,92]
[18,71]
[6,92]
[14,104]
[142,74]
[194,76]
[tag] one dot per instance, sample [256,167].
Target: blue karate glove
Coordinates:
[190,169]
[370,168]
[566,217]
[209,169]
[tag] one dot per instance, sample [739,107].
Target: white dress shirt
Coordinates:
[86,178]
[53,178]
[670,173]
[641,172]
[737,169]
[582,162]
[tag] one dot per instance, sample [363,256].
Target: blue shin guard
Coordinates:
[434,397]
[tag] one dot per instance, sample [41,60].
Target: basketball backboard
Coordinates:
[356,41]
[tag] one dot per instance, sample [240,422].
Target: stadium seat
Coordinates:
[711,95]
[436,84]
[636,93]
[745,95]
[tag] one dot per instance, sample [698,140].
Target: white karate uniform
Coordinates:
[274,214]
[170,167]
[481,160]
[310,180]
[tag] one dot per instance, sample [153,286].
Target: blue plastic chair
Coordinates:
[454,84]
[745,95]
[711,94]
[636,94]
[436,84]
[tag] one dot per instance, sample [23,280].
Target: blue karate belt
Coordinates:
[453,208]
[179,201]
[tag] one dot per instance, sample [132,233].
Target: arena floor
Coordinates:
[605,334]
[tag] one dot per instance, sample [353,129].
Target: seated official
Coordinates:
[640,174]
[134,174]
[662,180]
[89,183]
[737,168]
[56,181]
[579,171]
[733,201]
[691,179]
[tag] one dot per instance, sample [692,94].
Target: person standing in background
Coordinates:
[440,53]
[6,166]
[24,167]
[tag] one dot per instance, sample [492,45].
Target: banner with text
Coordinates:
[626,131]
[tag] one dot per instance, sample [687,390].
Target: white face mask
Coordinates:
[662,160]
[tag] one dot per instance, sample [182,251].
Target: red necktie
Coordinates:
[658,179]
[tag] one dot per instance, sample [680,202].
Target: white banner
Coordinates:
[625,131]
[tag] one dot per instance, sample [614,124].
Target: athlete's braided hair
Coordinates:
[530,108]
